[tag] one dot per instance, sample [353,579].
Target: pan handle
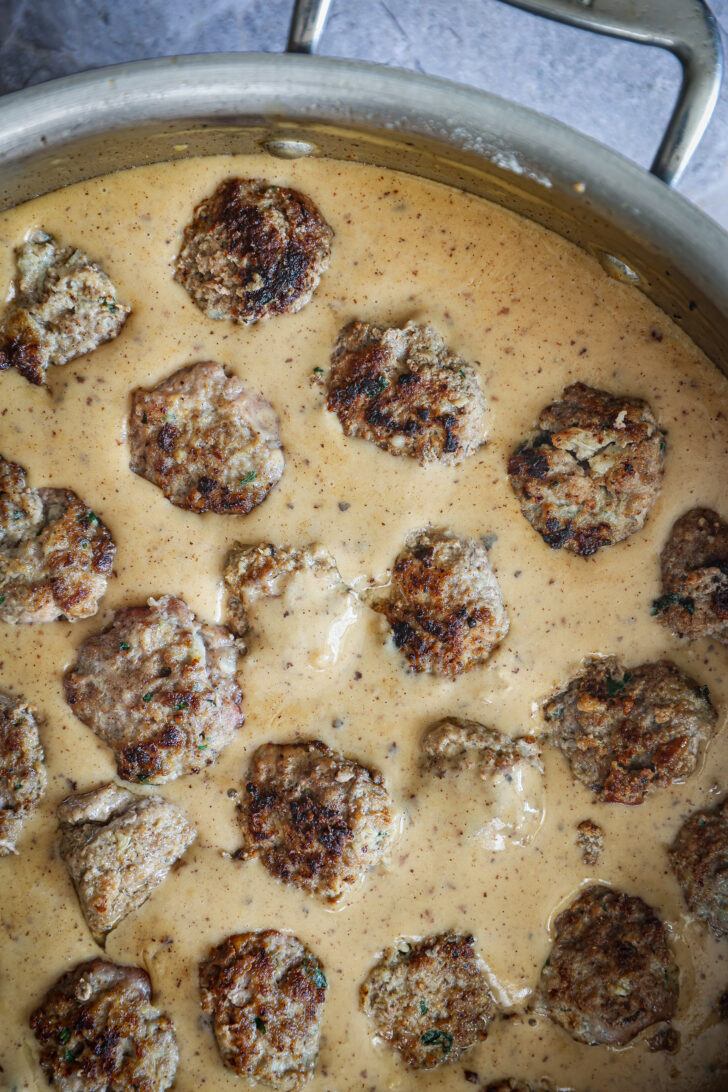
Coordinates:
[686,28]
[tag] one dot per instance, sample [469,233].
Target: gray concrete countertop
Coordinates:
[617,92]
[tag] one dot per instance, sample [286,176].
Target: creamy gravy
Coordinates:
[536,313]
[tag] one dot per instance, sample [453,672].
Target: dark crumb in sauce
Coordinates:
[590,839]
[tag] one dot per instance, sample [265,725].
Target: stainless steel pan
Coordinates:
[639,228]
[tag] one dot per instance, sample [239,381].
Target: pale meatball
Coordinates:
[429,999]
[317,820]
[627,732]
[98,1032]
[406,392]
[55,553]
[611,972]
[590,471]
[699,859]
[265,993]
[206,441]
[443,604]
[22,769]
[159,688]
[694,564]
[118,848]
[253,250]
[64,306]
[498,777]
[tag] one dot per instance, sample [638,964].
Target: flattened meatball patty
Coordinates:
[265,993]
[99,1032]
[443,604]
[611,972]
[118,847]
[253,250]
[626,732]
[22,769]
[406,392]
[159,688]
[316,819]
[55,553]
[699,859]
[64,306]
[207,442]
[694,564]
[429,999]
[588,474]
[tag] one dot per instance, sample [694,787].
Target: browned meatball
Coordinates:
[159,688]
[694,564]
[406,392]
[64,306]
[22,769]
[699,858]
[626,732]
[316,819]
[118,847]
[265,993]
[588,474]
[55,553]
[99,1032]
[429,999]
[443,604]
[253,250]
[210,444]
[611,972]
[514,1084]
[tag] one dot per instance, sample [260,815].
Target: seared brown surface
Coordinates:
[443,604]
[265,993]
[315,819]
[22,769]
[98,1032]
[694,568]
[253,250]
[55,553]
[611,972]
[159,688]
[590,471]
[628,731]
[210,444]
[406,392]
[513,1084]
[590,839]
[699,858]
[64,306]
[429,999]
[118,847]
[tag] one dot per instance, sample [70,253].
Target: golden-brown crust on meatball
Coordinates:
[406,392]
[429,999]
[590,471]
[253,250]
[97,1029]
[627,732]
[158,686]
[55,553]
[694,567]
[206,441]
[444,604]
[699,859]
[316,819]
[265,993]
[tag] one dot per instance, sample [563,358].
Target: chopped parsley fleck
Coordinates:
[124,647]
[202,747]
[260,1025]
[180,706]
[144,418]
[614,686]
[703,692]
[435,1037]
[423,1008]
[148,697]
[462,373]
[2,599]
[143,778]
[110,305]
[662,445]
[314,973]
[318,371]
[659,606]
[89,518]
[249,478]
[17,514]
[18,785]
[64,1035]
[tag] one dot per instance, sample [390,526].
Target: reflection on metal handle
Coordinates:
[307,23]
[684,27]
